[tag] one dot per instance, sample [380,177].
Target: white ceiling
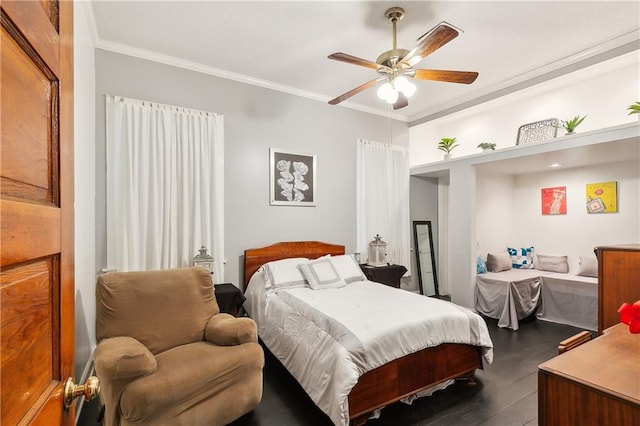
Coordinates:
[284,44]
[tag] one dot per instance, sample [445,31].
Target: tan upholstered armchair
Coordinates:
[167,356]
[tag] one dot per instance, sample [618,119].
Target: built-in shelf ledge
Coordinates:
[608,145]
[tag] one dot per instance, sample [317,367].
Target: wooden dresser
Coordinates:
[618,281]
[597,383]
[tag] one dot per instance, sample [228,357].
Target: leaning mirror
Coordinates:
[425,258]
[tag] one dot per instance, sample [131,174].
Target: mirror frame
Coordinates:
[433,257]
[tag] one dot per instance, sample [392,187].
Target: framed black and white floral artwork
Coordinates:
[293,178]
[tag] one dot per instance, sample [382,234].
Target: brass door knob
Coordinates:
[90,390]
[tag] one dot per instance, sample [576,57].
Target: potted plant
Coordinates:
[570,125]
[487,146]
[634,108]
[447,145]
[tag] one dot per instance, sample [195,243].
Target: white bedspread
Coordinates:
[312,333]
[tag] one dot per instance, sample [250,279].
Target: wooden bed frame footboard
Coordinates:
[397,379]
[410,374]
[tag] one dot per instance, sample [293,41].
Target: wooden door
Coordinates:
[36,211]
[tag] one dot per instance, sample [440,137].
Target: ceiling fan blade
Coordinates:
[350,59]
[429,43]
[355,91]
[465,77]
[401,102]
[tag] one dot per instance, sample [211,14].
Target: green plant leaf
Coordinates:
[570,125]
[447,144]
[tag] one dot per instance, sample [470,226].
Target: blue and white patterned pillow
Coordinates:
[521,258]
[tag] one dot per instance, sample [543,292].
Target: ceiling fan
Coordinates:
[396,65]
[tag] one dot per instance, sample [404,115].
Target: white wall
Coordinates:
[495,207]
[84,193]
[508,211]
[576,233]
[602,92]
[255,119]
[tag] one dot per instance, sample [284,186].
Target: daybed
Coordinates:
[514,294]
[569,299]
[358,347]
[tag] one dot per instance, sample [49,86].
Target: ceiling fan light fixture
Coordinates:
[388,93]
[403,84]
[392,97]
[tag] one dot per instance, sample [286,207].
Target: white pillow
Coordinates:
[283,274]
[498,262]
[552,263]
[321,274]
[348,268]
[588,267]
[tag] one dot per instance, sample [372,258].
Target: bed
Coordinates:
[509,296]
[347,374]
[569,299]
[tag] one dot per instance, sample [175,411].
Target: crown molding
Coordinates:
[613,48]
[241,78]
[149,55]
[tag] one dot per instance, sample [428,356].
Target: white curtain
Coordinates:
[165,199]
[383,199]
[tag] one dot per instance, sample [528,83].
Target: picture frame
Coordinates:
[292,180]
[554,200]
[602,197]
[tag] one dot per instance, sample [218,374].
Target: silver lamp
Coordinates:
[204,260]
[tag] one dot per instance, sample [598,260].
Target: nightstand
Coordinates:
[389,274]
[229,297]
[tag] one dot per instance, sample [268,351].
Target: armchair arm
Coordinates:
[123,358]
[227,330]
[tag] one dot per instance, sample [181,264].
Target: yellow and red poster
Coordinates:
[602,197]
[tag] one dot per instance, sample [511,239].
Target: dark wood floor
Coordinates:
[505,393]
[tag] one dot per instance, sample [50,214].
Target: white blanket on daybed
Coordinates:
[512,295]
[569,299]
[508,296]
[328,338]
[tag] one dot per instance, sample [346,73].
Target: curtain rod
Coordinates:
[159,105]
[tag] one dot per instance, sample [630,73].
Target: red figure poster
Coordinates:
[554,200]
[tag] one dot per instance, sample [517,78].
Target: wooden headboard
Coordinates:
[256,257]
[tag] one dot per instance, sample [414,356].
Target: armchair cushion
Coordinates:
[123,358]
[227,330]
